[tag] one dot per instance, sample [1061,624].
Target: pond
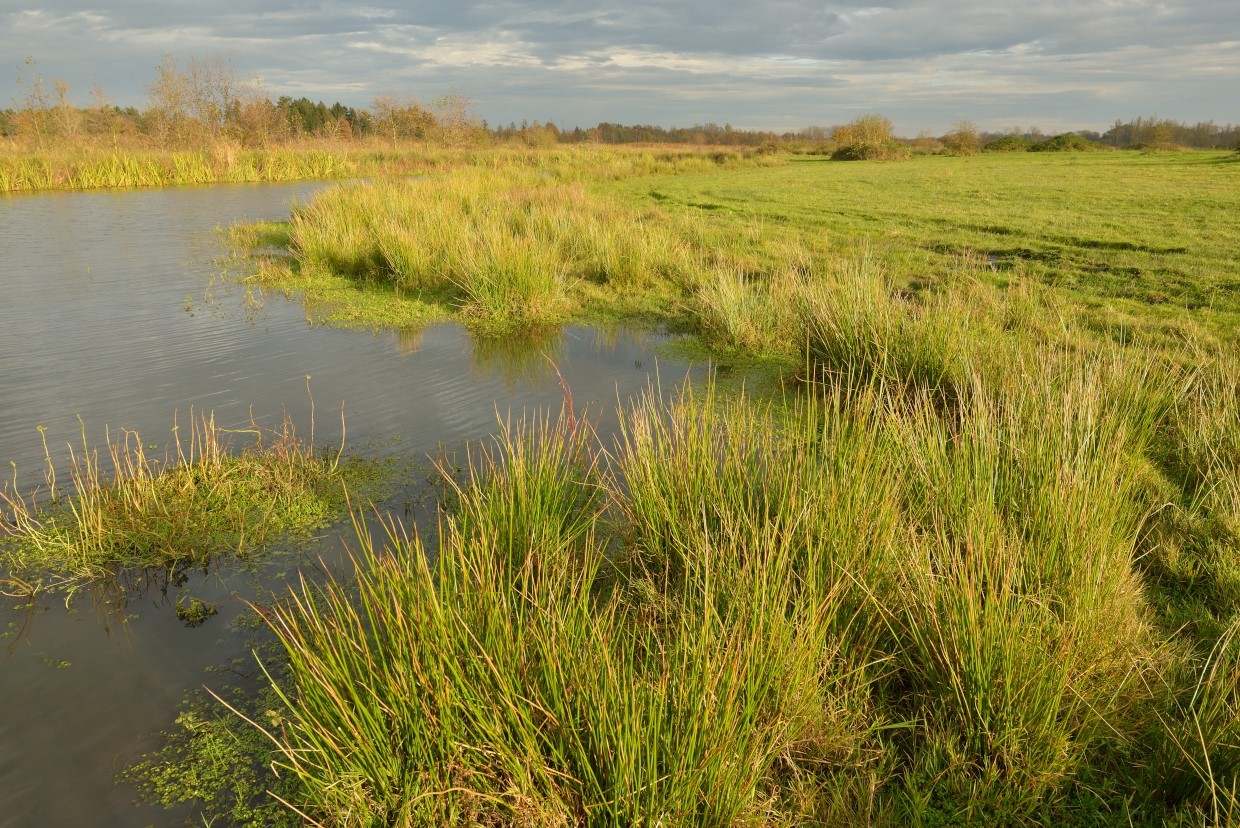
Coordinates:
[114,314]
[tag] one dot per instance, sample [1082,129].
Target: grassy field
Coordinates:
[974,558]
[1139,248]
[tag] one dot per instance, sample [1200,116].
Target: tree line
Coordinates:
[203,101]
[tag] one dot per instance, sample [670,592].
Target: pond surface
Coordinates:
[113,310]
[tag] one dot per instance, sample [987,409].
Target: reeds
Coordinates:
[129,509]
[136,165]
[850,605]
[505,247]
[522,674]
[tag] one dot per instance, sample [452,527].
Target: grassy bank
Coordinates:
[974,560]
[1135,248]
[854,606]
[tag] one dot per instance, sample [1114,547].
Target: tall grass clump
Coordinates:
[857,326]
[506,247]
[130,509]
[531,671]
[849,605]
[1023,622]
[1199,453]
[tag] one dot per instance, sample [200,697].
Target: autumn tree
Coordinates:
[202,101]
[169,103]
[402,119]
[963,139]
[458,123]
[1161,136]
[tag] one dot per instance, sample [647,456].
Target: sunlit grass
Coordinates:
[973,560]
[124,507]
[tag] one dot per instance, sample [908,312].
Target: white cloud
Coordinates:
[784,62]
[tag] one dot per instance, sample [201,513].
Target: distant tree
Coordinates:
[258,121]
[1162,136]
[214,93]
[458,123]
[33,118]
[68,121]
[962,139]
[168,96]
[926,144]
[201,102]
[103,118]
[402,119]
[540,135]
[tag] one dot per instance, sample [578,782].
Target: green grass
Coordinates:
[1143,245]
[972,559]
[847,607]
[1137,248]
[204,503]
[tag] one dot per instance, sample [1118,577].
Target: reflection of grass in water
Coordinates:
[524,357]
[135,511]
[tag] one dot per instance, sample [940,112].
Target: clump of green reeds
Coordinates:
[522,674]
[850,605]
[505,247]
[130,509]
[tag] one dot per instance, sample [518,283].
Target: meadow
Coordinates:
[964,547]
[966,553]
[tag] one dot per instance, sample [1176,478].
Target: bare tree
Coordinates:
[402,119]
[34,117]
[68,120]
[169,107]
[102,118]
[213,93]
[458,122]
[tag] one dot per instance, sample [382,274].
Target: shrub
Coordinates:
[1068,142]
[962,139]
[866,139]
[1009,143]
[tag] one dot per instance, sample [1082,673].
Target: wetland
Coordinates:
[732,489]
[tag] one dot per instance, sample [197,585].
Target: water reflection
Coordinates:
[529,356]
[95,323]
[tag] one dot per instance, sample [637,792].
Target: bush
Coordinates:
[868,138]
[886,151]
[1009,143]
[963,139]
[1068,142]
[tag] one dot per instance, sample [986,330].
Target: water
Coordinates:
[112,310]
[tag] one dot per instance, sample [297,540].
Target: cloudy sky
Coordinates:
[776,64]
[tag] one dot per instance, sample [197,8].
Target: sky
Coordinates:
[758,64]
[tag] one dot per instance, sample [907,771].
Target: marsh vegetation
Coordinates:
[961,547]
[964,552]
[215,495]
